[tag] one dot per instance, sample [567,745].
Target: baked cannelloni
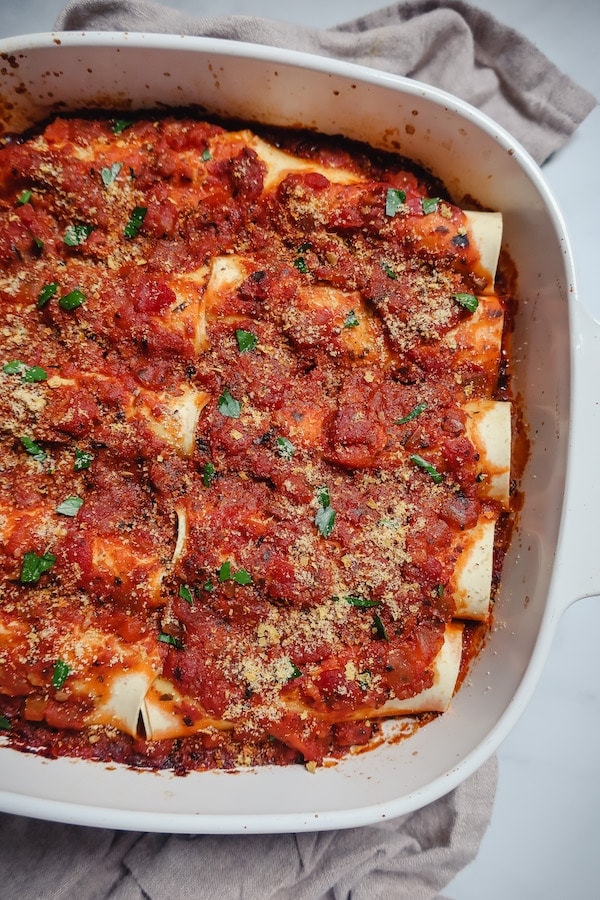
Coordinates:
[256,441]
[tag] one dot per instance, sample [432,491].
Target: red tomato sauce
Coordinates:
[279,419]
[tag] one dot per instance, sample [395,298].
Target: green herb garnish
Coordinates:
[300,264]
[208,474]
[75,235]
[240,576]
[389,270]
[325,517]
[285,448]
[206,155]
[34,449]
[351,320]
[34,374]
[4,723]
[29,374]
[186,594]
[34,566]
[361,602]
[378,629]
[296,673]
[170,640]
[83,460]
[436,476]
[394,199]
[323,496]
[70,506]
[73,300]
[430,204]
[225,571]
[416,411]
[119,125]
[60,674]
[229,406]
[245,340]
[469,301]
[108,174]
[23,198]
[46,294]
[136,220]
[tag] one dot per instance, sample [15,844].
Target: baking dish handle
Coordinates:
[579,550]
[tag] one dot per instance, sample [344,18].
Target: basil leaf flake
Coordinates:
[351,320]
[361,602]
[285,448]
[378,629]
[429,205]
[186,594]
[208,474]
[224,573]
[34,566]
[108,174]
[296,673]
[365,679]
[119,125]
[45,295]
[469,301]
[34,449]
[394,199]
[389,271]
[136,220]
[73,300]
[23,198]
[34,374]
[70,506]
[77,234]
[416,411]
[246,340]
[431,470]
[300,264]
[29,374]
[14,367]
[325,517]
[4,723]
[170,640]
[460,240]
[241,576]
[323,496]
[60,674]
[83,460]
[229,406]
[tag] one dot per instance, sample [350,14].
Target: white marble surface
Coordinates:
[544,838]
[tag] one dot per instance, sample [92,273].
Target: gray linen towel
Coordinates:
[447,43]
[469,53]
[411,858]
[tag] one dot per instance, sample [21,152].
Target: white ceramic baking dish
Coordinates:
[553,559]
